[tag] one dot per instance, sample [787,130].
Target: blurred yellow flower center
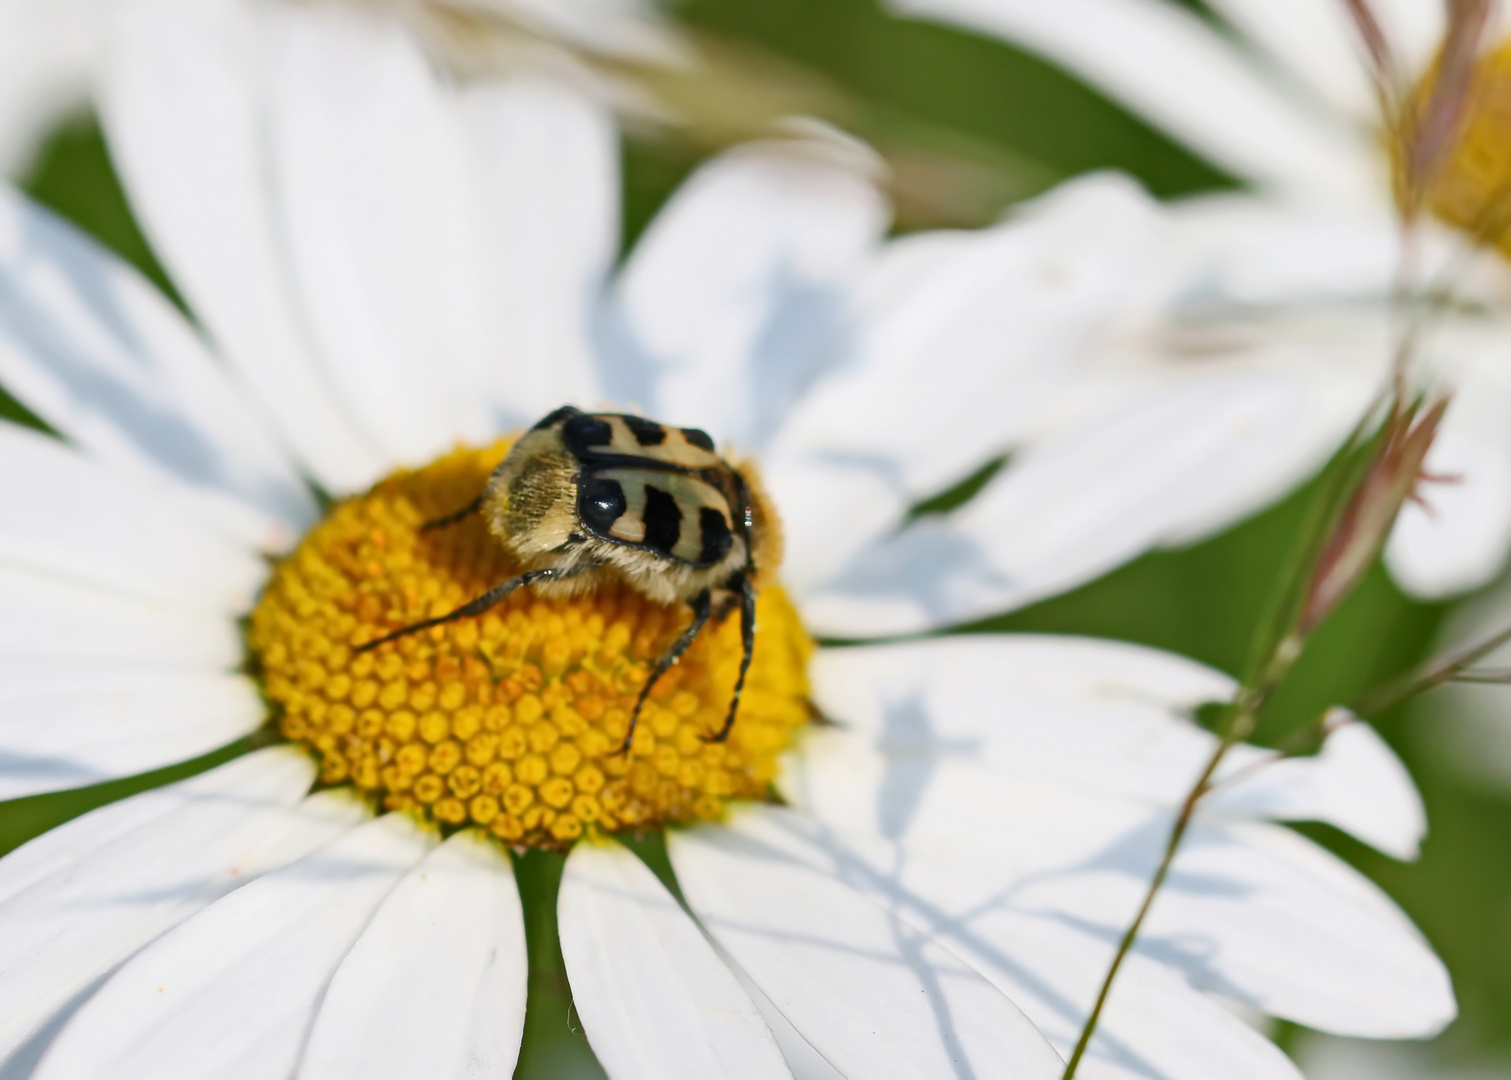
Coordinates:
[510,720]
[1472,189]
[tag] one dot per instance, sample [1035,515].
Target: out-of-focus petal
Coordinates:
[1457,537]
[374,198]
[231,993]
[435,986]
[546,175]
[1315,43]
[1168,65]
[47,55]
[1150,466]
[737,297]
[961,337]
[654,998]
[181,104]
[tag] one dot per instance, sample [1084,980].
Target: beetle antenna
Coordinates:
[451,519]
[493,596]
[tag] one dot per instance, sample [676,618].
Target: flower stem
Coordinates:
[1240,725]
[1433,674]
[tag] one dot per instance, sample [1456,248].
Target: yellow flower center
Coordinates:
[511,720]
[1472,189]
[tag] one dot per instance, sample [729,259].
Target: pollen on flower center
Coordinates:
[510,720]
[1472,189]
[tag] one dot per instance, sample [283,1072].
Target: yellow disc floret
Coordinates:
[1472,187]
[511,720]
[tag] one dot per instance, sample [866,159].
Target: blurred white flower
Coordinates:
[1330,1058]
[1281,97]
[48,53]
[381,263]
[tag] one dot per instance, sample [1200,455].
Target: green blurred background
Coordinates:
[943,90]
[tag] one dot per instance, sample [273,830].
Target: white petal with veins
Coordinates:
[46,617]
[82,520]
[231,993]
[83,897]
[65,724]
[1156,1023]
[99,355]
[435,986]
[1250,910]
[872,995]
[655,1000]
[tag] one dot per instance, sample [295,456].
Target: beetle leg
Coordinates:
[702,606]
[747,639]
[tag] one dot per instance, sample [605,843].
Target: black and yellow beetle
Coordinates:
[585,497]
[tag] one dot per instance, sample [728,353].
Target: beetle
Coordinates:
[583,498]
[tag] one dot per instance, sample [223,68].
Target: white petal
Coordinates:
[1321,946]
[66,724]
[1415,31]
[545,163]
[1251,910]
[654,998]
[76,901]
[1156,1024]
[963,336]
[231,992]
[1356,783]
[47,54]
[78,519]
[1252,332]
[1107,717]
[873,996]
[1458,538]
[50,618]
[829,510]
[103,358]
[435,986]
[180,105]
[1168,65]
[1317,43]
[629,29]
[1237,250]
[1164,463]
[369,165]
[736,298]
[962,342]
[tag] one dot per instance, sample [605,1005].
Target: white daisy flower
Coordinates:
[386,265]
[1281,97]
